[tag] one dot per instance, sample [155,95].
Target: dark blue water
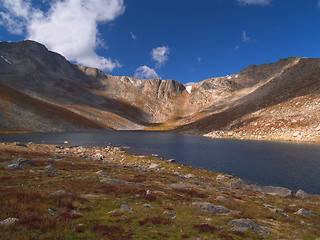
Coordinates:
[292,165]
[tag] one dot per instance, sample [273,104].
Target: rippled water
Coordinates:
[292,165]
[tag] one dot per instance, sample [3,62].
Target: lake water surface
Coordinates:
[292,165]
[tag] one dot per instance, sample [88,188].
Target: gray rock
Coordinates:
[244,224]
[154,166]
[52,212]
[271,190]
[267,205]
[305,213]
[116,181]
[61,193]
[14,167]
[224,200]
[8,221]
[189,175]
[125,207]
[20,144]
[146,205]
[215,209]
[100,172]
[50,168]
[301,194]
[279,191]
[177,186]
[23,162]
[238,183]
[170,160]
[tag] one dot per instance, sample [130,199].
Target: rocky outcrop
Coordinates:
[41,91]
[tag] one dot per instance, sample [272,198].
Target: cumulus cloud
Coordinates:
[245,37]
[145,72]
[69,27]
[254,2]
[16,16]
[160,55]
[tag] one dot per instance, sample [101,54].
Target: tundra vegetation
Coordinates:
[60,192]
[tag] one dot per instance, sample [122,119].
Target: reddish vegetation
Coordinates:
[156,220]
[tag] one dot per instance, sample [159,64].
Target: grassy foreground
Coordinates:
[110,194]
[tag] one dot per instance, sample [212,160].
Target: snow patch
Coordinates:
[189,88]
[229,77]
[5,59]
[237,76]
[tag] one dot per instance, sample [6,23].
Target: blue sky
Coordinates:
[185,40]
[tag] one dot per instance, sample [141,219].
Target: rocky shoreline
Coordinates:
[104,192]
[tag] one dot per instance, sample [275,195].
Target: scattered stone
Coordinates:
[177,186]
[125,207]
[146,205]
[107,180]
[222,177]
[170,160]
[20,144]
[209,207]
[301,194]
[238,183]
[245,224]
[112,212]
[224,200]
[8,221]
[271,190]
[100,172]
[305,213]
[66,142]
[52,212]
[267,205]
[279,191]
[14,167]
[61,193]
[155,165]
[23,162]
[189,176]
[50,168]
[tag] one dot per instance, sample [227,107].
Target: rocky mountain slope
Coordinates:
[41,91]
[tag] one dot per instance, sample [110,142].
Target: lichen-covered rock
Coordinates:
[244,224]
[305,213]
[14,167]
[301,194]
[211,208]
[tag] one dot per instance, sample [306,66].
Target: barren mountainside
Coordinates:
[41,91]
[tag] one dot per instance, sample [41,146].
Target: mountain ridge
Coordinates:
[85,98]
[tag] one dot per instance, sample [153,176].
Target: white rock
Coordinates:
[8,221]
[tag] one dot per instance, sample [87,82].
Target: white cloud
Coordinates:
[16,17]
[245,37]
[145,72]
[134,37]
[69,27]
[160,55]
[199,59]
[318,4]
[254,2]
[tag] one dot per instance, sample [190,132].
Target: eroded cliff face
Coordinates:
[41,91]
[40,82]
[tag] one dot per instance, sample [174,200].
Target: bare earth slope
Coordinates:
[41,91]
